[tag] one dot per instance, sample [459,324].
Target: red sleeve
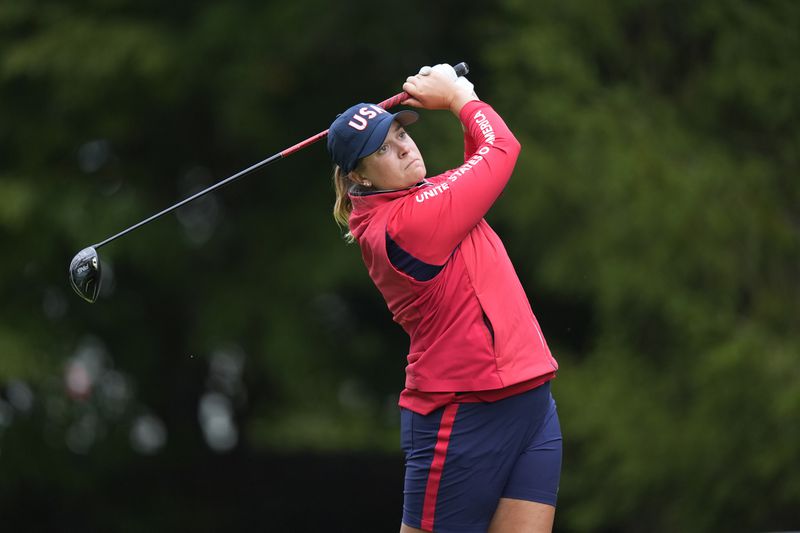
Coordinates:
[431,223]
[470,146]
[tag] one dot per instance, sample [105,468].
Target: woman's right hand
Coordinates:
[439,88]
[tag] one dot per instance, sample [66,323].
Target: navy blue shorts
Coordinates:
[462,458]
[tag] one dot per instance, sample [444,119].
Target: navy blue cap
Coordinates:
[360,131]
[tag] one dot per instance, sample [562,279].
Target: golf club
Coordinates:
[85,268]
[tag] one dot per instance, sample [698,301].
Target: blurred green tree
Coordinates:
[658,193]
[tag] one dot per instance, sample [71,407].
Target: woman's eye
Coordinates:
[383,149]
[402,135]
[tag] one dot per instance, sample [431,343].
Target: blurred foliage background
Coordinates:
[241,372]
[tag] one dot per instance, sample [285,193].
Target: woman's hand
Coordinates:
[439,88]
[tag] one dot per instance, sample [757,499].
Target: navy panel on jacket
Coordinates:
[408,264]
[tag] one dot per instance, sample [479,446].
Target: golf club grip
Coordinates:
[462,69]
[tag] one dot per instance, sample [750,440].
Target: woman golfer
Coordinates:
[479,426]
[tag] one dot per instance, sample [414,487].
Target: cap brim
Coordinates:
[406,117]
[378,135]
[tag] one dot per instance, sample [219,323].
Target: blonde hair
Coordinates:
[343,205]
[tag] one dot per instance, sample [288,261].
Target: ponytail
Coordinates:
[343,205]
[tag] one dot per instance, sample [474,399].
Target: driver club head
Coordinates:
[84,274]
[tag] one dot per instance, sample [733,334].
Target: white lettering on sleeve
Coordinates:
[430,192]
[489,138]
[485,126]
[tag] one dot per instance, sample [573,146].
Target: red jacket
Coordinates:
[446,276]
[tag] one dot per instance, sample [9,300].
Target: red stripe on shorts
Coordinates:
[437,465]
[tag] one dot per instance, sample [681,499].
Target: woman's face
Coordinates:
[397,164]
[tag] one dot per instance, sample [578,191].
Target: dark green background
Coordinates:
[653,217]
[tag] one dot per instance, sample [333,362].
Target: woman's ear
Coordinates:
[355,177]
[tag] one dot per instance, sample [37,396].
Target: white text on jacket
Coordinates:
[432,191]
[485,126]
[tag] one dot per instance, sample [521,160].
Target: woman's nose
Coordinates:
[404,148]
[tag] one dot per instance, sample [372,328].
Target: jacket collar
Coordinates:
[367,199]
